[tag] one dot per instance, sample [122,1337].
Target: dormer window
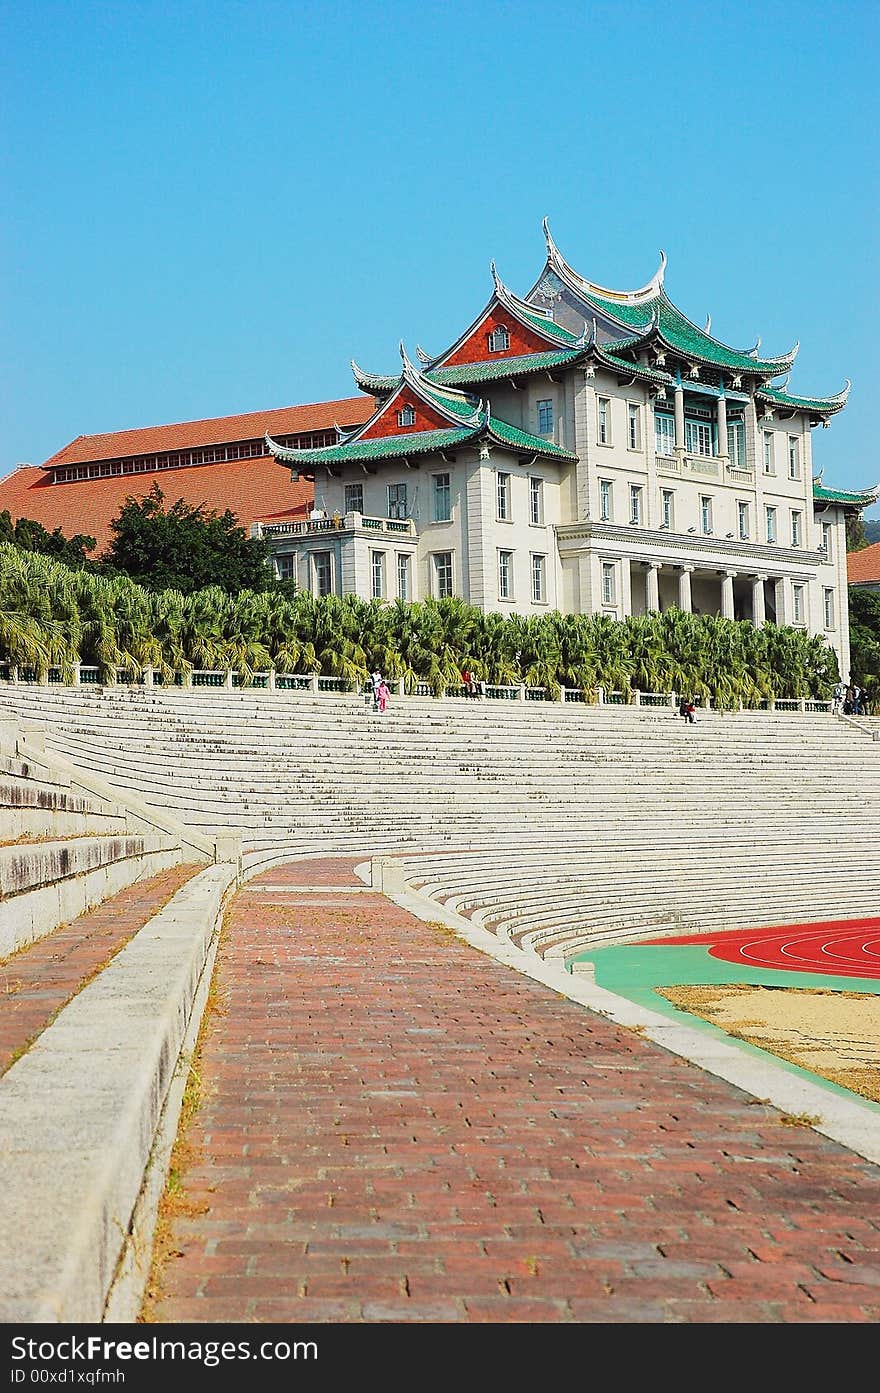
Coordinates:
[499,339]
[406,416]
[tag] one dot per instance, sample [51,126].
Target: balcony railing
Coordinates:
[84,674]
[351,522]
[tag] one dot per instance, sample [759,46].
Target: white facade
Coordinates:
[686,485]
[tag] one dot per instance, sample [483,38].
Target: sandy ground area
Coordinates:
[832,1033]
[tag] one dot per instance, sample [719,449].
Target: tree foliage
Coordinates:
[864,638]
[33,536]
[856,536]
[52,616]
[186,548]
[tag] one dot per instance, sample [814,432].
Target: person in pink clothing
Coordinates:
[382,694]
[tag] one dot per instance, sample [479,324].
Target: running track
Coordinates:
[839,947]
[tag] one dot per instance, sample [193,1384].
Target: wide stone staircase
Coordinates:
[109,916]
[555,824]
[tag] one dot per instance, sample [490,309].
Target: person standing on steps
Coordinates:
[837,698]
[687,709]
[382,694]
[375,682]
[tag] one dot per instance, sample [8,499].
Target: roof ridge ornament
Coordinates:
[580,283]
[422,356]
[708,328]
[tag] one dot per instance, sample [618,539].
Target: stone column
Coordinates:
[684,589]
[652,586]
[727,594]
[758,614]
[679,422]
[722,428]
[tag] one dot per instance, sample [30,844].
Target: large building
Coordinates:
[221,463]
[580,448]
[586,449]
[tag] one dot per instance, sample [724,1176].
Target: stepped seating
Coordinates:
[588,822]
[63,851]
[554,826]
[92,1083]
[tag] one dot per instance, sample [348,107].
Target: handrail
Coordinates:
[270,680]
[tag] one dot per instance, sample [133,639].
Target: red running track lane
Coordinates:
[836,947]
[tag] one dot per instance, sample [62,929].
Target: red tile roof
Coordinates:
[863,566]
[222,430]
[253,489]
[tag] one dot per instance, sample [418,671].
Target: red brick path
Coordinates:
[38,980]
[397,1128]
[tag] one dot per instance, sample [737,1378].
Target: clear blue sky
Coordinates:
[210,208]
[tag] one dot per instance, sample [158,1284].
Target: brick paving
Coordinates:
[38,980]
[396,1128]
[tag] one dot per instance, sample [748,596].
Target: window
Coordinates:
[770,517]
[442,574]
[499,339]
[604,408]
[503,490]
[698,438]
[608,587]
[402,576]
[705,515]
[769,456]
[828,599]
[397,500]
[664,434]
[742,519]
[442,511]
[635,503]
[354,498]
[797,604]
[736,444]
[606,511]
[826,540]
[667,498]
[321,572]
[539,583]
[635,426]
[377,575]
[285,566]
[406,416]
[545,417]
[505,575]
[796,528]
[794,457]
[536,502]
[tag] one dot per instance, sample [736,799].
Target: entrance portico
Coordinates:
[656,585]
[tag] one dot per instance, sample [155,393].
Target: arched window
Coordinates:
[499,339]
[406,416]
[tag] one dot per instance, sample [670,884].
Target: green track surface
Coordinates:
[636,971]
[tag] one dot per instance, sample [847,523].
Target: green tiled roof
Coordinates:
[624,365]
[490,371]
[384,447]
[521,440]
[820,405]
[454,405]
[549,326]
[853,497]
[422,442]
[497,369]
[679,333]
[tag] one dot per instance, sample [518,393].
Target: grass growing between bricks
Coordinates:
[174,1203]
